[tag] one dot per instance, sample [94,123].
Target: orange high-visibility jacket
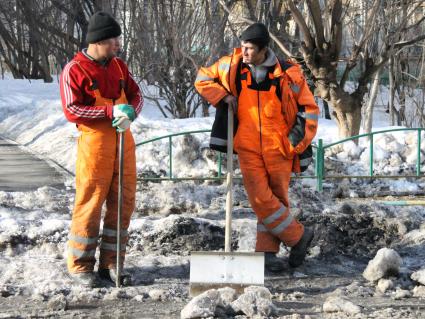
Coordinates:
[219,80]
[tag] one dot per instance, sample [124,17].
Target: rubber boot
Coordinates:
[111,275]
[299,251]
[272,262]
[85,279]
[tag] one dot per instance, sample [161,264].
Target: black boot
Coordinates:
[85,279]
[272,262]
[111,275]
[299,251]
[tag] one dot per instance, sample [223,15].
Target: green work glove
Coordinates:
[124,110]
[121,124]
[123,116]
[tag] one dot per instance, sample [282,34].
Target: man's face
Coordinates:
[251,54]
[109,48]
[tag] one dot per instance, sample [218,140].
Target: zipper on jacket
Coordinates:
[259,119]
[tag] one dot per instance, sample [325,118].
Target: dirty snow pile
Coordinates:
[385,278]
[34,228]
[33,250]
[386,262]
[394,153]
[254,301]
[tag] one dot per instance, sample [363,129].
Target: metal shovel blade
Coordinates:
[211,270]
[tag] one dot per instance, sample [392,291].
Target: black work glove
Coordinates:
[296,134]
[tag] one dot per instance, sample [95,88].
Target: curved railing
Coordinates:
[170,176]
[320,156]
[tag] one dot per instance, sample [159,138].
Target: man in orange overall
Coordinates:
[267,96]
[99,94]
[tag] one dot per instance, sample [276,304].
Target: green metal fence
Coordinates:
[319,159]
[170,176]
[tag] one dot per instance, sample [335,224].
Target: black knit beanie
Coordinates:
[256,33]
[102,26]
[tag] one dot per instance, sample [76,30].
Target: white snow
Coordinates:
[419,292]
[419,276]
[416,236]
[255,301]
[386,261]
[202,306]
[403,185]
[384,284]
[340,304]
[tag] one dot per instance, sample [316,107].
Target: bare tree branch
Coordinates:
[274,38]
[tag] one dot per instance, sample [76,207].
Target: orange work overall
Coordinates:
[263,147]
[97,181]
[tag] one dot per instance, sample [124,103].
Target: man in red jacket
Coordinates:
[99,94]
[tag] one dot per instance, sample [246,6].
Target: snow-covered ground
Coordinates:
[172,219]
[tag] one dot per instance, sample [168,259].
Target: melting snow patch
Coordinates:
[419,276]
[255,301]
[386,262]
[340,304]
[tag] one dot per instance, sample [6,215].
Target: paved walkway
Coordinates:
[22,171]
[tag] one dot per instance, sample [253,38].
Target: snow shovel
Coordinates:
[119,212]
[216,269]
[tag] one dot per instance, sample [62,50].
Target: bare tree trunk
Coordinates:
[372,47]
[348,122]
[368,112]
[392,89]
[104,5]
[326,110]
[205,108]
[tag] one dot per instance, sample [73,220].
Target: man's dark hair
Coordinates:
[260,43]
